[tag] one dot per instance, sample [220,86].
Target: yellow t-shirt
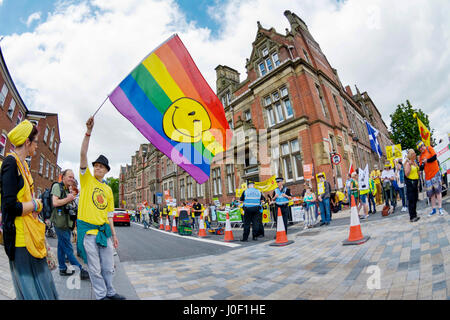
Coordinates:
[96,200]
[376,173]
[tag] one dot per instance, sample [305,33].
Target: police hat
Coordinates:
[249,182]
[279,179]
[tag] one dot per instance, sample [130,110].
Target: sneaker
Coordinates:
[432,213]
[116,297]
[416,219]
[441,212]
[65,273]
[84,275]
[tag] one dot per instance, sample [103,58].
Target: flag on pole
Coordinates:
[424,132]
[351,169]
[167,99]
[373,137]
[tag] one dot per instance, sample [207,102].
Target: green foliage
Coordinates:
[114,184]
[404,128]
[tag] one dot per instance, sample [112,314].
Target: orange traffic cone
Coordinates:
[228,232]
[355,236]
[161,224]
[167,224]
[174,225]
[281,239]
[201,227]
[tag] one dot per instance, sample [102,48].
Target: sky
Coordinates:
[67,56]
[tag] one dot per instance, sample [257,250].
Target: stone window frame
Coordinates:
[278,99]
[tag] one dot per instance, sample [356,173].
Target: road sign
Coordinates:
[336,158]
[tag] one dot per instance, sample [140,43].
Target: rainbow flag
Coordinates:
[167,99]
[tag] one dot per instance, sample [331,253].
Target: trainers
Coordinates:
[432,213]
[84,275]
[441,212]
[65,273]
[116,297]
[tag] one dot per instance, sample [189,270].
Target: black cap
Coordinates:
[102,160]
[279,179]
[250,182]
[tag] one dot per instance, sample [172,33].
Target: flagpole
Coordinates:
[100,106]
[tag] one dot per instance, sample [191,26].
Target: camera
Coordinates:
[71,209]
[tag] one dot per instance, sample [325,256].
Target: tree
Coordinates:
[114,184]
[404,128]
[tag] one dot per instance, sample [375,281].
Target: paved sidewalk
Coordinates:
[412,261]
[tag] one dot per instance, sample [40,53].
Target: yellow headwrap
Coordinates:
[20,133]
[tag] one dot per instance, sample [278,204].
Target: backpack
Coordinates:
[47,202]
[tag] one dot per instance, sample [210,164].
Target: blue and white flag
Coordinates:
[373,137]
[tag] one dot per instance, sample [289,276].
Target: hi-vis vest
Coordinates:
[321,188]
[252,197]
[281,200]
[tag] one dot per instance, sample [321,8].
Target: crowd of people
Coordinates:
[96,239]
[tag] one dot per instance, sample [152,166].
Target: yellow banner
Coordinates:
[264,186]
[266,215]
[393,152]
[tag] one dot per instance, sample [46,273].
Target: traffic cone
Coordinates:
[174,225]
[355,235]
[281,239]
[161,224]
[201,228]
[228,232]
[167,224]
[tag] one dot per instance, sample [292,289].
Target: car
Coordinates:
[121,216]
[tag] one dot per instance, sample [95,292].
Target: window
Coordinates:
[190,190]
[269,64]
[265,52]
[51,172]
[41,165]
[230,178]
[47,167]
[52,137]
[291,160]
[200,190]
[3,94]
[182,193]
[217,182]
[247,115]
[322,102]
[12,106]
[19,117]
[279,107]
[276,160]
[47,129]
[2,144]
[262,69]
[306,56]
[275,59]
[337,107]
[171,187]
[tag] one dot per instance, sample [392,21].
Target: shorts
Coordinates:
[434,185]
[363,198]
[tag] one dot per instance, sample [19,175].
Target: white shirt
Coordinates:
[387,174]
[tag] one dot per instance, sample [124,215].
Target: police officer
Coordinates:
[282,195]
[252,204]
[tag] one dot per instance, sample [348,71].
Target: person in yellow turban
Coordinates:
[24,233]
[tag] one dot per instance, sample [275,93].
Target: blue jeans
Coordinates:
[372,203]
[65,249]
[325,207]
[401,192]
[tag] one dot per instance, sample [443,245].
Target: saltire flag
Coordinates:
[373,137]
[423,130]
[167,99]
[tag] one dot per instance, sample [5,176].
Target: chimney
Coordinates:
[349,91]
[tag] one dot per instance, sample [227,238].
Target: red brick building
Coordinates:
[13,110]
[291,110]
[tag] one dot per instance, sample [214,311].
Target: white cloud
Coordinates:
[36,16]
[396,50]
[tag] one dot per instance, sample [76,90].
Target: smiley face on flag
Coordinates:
[185,120]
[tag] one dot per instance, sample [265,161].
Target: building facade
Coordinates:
[290,111]
[43,166]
